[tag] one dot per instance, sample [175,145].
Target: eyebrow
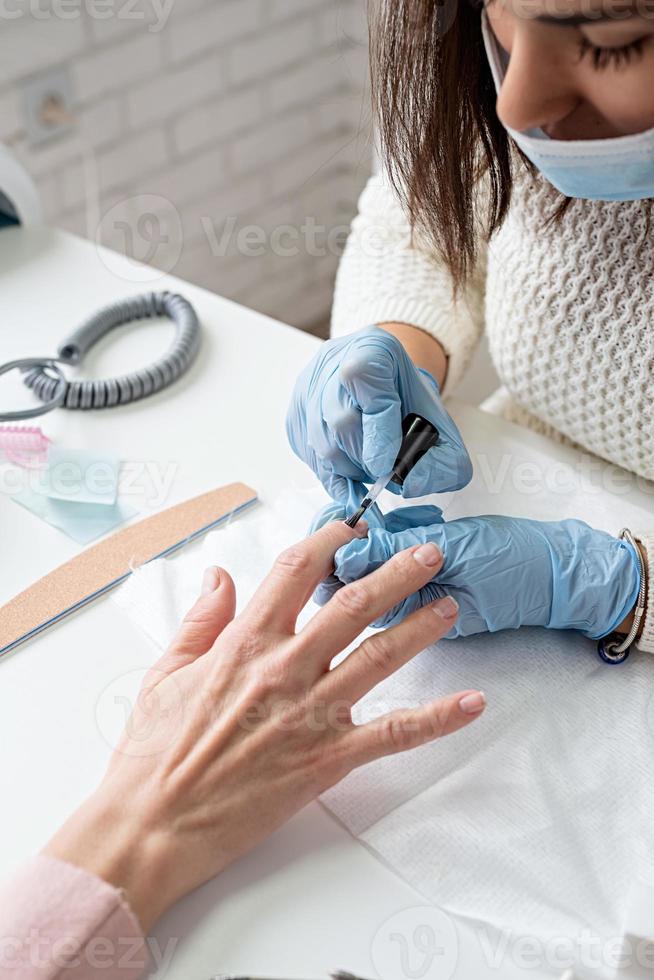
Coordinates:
[578,20]
[626,12]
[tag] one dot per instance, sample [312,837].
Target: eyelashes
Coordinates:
[603,58]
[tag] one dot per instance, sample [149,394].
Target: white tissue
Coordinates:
[540,815]
[158,595]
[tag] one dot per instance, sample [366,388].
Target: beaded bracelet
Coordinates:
[615,649]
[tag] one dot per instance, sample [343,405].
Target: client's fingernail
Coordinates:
[472,704]
[446,608]
[428,555]
[210,580]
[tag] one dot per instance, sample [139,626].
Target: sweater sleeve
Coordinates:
[386,276]
[58,921]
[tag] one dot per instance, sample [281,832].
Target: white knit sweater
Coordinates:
[568,307]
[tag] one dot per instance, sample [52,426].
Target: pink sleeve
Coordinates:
[58,921]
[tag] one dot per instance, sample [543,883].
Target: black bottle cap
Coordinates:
[419,437]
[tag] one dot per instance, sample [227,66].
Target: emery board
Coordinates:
[108,563]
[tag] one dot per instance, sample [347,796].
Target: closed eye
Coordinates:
[603,57]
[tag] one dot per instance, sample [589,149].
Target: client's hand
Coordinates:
[505,572]
[242,722]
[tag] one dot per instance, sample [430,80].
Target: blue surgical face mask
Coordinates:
[620,169]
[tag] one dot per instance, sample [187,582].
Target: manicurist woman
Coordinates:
[526,212]
[517,145]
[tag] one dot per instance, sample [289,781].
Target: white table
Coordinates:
[311,898]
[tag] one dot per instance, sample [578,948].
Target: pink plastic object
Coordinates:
[24,445]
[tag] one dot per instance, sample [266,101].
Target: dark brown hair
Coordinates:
[434,99]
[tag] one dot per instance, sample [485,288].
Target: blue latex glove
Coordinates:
[506,572]
[345,418]
[393,523]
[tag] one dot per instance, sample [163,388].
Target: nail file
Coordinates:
[108,563]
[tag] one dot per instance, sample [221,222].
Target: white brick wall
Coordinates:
[207,117]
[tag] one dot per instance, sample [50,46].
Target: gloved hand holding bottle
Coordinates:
[505,572]
[345,418]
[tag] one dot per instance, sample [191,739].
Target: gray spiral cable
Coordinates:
[125,388]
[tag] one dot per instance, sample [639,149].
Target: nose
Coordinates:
[537,90]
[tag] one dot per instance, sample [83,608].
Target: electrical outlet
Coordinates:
[48,106]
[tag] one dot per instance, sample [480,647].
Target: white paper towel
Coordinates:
[158,595]
[538,817]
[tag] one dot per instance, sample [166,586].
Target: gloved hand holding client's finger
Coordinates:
[504,572]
